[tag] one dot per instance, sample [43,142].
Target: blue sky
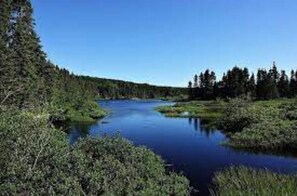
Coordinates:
[165,42]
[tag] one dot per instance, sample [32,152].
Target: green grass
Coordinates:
[86,112]
[249,182]
[198,109]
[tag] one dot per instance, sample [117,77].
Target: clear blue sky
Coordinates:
[166,42]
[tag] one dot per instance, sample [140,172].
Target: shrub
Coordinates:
[36,159]
[276,134]
[115,166]
[237,115]
[263,124]
[33,155]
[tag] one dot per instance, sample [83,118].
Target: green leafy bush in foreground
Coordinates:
[247,181]
[36,159]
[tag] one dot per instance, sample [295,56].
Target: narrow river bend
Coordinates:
[184,143]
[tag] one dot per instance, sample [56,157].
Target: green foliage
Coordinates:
[114,166]
[33,155]
[37,159]
[247,181]
[117,89]
[85,112]
[240,114]
[237,115]
[276,134]
[262,124]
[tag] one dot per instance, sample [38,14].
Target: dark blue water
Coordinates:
[185,143]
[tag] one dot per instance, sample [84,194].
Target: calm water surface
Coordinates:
[192,149]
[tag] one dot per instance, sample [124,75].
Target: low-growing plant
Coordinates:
[36,159]
[236,181]
[277,134]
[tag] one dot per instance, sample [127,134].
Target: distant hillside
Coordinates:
[119,89]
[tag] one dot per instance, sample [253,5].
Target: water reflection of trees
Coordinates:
[77,131]
[202,125]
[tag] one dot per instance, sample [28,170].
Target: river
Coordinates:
[190,148]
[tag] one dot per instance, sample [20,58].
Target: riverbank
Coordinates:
[269,125]
[261,126]
[87,111]
[32,150]
[194,109]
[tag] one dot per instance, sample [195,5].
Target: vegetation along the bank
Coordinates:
[36,159]
[267,125]
[198,109]
[257,125]
[247,181]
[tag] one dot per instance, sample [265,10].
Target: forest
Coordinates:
[118,89]
[238,82]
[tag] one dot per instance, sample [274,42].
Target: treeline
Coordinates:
[118,89]
[238,82]
[28,79]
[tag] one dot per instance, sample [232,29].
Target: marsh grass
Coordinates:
[198,109]
[241,180]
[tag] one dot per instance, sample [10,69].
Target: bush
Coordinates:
[247,181]
[33,155]
[84,112]
[262,124]
[277,134]
[115,166]
[237,115]
[36,159]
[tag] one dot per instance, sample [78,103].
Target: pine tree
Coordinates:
[190,91]
[195,81]
[271,83]
[29,59]
[252,87]
[7,88]
[293,84]
[283,85]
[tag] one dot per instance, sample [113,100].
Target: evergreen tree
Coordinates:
[283,85]
[274,72]
[7,86]
[195,81]
[252,87]
[22,47]
[271,83]
[190,91]
[293,84]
